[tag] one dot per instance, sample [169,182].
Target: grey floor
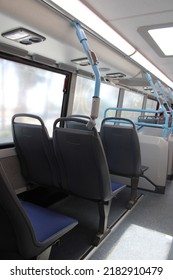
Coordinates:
[77,242]
[146,232]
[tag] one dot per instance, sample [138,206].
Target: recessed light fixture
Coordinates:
[23,36]
[148,88]
[81,61]
[116,75]
[84,15]
[104,69]
[162,37]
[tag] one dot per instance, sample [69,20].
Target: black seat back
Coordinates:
[84,169]
[35,151]
[121,145]
[77,125]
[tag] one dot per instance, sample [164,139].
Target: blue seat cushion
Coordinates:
[116,187]
[144,168]
[47,223]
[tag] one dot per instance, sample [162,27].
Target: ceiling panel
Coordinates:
[126,17]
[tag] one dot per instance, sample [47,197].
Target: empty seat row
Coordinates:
[79,162]
[28,231]
[122,149]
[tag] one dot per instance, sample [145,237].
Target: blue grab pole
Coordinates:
[149,79]
[170,93]
[164,94]
[167,103]
[93,61]
[171,96]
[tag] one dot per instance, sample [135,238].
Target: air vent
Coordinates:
[23,36]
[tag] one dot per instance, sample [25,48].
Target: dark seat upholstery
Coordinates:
[84,169]
[27,230]
[77,125]
[35,151]
[122,149]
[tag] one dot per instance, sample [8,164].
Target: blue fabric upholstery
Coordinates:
[117,186]
[144,168]
[46,223]
[28,229]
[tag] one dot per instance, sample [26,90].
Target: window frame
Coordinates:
[29,62]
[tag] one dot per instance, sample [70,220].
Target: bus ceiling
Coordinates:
[60,48]
[60,44]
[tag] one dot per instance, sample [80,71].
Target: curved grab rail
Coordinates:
[164,126]
[118,120]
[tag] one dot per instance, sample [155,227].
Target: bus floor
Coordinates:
[77,244]
[145,234]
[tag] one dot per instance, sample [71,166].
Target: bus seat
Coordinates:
[77,125]
[122,149]
[28,231]
[35,151]
[84,169]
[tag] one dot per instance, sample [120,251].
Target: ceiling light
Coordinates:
[139,58]
[83,14]
[23,36]
[116,75]
[81,61]
[162,37]
[75,9]
[148,88]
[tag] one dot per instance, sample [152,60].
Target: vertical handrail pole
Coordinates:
[171,96]
[167,103]
[93,61]
[149,79]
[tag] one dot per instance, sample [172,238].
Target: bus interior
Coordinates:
[86,125]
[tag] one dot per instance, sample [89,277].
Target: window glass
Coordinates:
[132,100]
[151,105]
[83,98]
[26,89]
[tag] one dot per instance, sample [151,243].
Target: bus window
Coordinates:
[27,89]
[132,100]
[83,98]
[151,104]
